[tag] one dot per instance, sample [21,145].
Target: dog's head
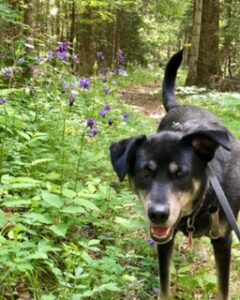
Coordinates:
[168,172]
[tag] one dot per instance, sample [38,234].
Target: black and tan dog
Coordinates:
[168,171]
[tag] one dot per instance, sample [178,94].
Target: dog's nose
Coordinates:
[158,214]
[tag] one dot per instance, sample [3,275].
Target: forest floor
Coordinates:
[145,99]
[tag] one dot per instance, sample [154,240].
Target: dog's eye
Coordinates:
[145,173]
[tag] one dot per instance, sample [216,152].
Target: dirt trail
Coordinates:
[145,99]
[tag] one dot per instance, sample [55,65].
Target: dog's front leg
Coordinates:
[222,254]
[164,260]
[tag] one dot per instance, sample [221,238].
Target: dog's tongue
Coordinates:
[159,231]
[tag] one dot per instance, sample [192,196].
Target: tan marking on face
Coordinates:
[173,167]
[146,201]
[152,165]
[179,203]
[175,210]
[185,199]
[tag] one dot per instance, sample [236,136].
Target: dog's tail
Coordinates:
[168,91]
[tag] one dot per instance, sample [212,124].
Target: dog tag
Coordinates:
[190,239]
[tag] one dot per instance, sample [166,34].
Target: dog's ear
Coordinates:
[122,153]
[206,142]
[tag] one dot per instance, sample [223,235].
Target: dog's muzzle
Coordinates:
[161,235]
[158,216]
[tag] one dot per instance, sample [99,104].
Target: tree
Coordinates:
[195,43]
[205,48]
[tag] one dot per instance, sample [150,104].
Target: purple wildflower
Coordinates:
[62,50]
[63,47]
[65,87]
[107,91]
[73,96]
[103,71]
[104,111]
[91,123]
[122,72]
[151,242]
[94,132]
[85,83]
[126,117]
[62,55]
[107,108]
[121,56]
[110,122]
[8,73]
[2,101]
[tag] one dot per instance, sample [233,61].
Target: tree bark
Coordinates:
[208,62]
[28,17]
[194,51]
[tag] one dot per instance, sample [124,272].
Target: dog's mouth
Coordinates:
[160,234]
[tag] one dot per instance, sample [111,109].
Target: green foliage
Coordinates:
[6,14]
[63,235]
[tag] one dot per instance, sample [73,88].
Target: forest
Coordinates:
[75,76]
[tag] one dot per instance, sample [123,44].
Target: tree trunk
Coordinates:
[208,61]
[227,44]
[194,51]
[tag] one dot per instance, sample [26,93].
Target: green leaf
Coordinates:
[93,242]
[52,199]
[129,278]
[84,295]
[73,210]
[13,202]
[126,223]
[3,220]
[24,135]
[47,246]
[31,217]
[37,255]
[10,179]
[68,193]
[60,229]
[41,161]
[209,278]
[77,297]
[24,267]
[78,272]
[48,297]
[87,204]
[111,286]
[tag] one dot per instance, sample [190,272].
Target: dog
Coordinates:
[169,173]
